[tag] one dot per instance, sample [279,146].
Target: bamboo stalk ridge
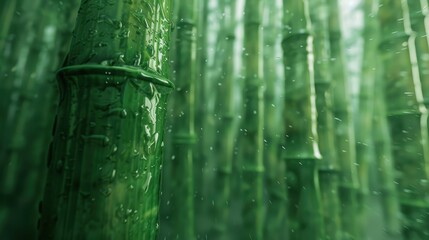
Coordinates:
[251,136]
[273,130]
[225,112]
[300,119]
[183,128]
[344,129]
[407,116]
[329,167]
[105,158]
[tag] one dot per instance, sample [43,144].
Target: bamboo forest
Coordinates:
[214,119]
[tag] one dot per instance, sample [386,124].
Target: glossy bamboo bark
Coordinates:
[329,167]
[226,125]
[344,130]
[407,117]
[305,220]
[253,124]
[183,130]
[105,157]
[274,164]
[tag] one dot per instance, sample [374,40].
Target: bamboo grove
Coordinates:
[215,119]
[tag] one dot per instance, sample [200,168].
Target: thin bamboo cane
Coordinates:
[300,119]
[344,130]
[252,135]
[364,124]
[274,164]
[7,13]
[183,129]
[419,17]
[105,158]
[225,112]
[329,167]
[384,159]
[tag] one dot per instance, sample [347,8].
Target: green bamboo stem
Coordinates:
[329,167]
[14,72]
[373,143]
[419,17]
[251,138]
[407,117]
[201,129]
[344,131]
[275,166]
[105,157]
[384,162]
[7,12]
[225,111]
[301,140]
[182,200]
[364,124]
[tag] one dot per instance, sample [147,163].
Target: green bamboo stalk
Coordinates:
[301,141]
[419,17]
[105,157]
[225,111]
[251,138]
[275,166]
[329,167]
[407,117]
[202,223]
[344,131]
[373,139]
[182,201]
[384,161]
[7,12]
[364,125]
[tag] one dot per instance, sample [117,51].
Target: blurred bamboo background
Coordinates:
[290,119]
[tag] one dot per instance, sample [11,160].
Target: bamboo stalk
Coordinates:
[344,131]
[407,116]
[225,111]
[364,124]
[7,13]
[274,164]
[252,135]
[182,200]
[329,167]
[105,157]
[300,118]
[419,20]
[202,223]
[384,161]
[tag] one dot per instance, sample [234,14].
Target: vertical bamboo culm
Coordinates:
[105,157]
